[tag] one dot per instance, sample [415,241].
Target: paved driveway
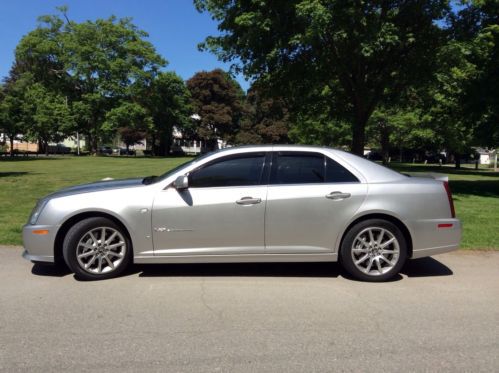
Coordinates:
[442,314]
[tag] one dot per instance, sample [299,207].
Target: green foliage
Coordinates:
[95,64]
[167,101]
[46,114]
[266,120]
[359,50]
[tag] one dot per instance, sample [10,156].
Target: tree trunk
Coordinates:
[11,138]
[94,144]
[153,144]
[162,146]
[359,135]
[457,156]
[384,140]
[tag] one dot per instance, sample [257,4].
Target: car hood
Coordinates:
[96,187]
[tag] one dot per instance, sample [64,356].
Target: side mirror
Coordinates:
[181,182]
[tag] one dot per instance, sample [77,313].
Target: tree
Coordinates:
[358,49]
[95,64]
[217,99]
[46,115]
[475,30]
[130,120]
[167,100]
[11,105]
[265,120]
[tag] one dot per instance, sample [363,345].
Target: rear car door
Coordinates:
[309,200]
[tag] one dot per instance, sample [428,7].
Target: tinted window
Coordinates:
[297,168]
[230,171]
[335,173]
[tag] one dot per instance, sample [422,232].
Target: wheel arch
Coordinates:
[383,216]
[66,226]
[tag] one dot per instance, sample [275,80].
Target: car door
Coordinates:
[309,200]
[221,212]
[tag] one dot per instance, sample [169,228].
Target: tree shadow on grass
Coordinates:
[13,173]
[32,158]
[484,188]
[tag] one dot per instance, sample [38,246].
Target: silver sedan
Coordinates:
[249,204]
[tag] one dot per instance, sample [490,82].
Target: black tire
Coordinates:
[79,232]
[349,254]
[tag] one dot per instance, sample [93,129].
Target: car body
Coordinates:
[105,150]
[251,204]
[125,151]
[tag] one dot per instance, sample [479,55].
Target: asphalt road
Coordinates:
[441,314]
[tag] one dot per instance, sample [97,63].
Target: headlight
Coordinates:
[37,211]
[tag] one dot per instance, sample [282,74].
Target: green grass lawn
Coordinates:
[24,180]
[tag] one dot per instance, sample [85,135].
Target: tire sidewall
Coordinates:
[346,259]
[74,235]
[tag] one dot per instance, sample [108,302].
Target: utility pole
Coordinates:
[78,142]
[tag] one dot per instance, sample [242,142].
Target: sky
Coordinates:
[174,26]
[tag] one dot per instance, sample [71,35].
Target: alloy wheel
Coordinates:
[375,251]
[101,250]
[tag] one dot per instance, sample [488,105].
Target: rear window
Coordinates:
[307,168]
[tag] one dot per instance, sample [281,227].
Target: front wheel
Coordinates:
[97,248]
[373,250]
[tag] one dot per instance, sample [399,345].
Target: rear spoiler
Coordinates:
[429,175]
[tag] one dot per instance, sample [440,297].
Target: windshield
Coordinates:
[155,179]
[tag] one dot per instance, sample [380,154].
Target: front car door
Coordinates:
[309,199]
[221,212]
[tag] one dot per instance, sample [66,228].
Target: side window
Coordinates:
[238,170]
[336,173]
[297,168]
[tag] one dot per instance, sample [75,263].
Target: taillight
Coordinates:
[449,197]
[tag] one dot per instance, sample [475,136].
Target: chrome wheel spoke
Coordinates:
[380,237]
[378,265]
[114,246]
[360,249]
[91,261]
[118,255]
[388,252]
[363,259]
[110,239]
[109,262]
[371,260]
[385,260]
[99,265]
[94,240]
[371,236]
[386,243]
[86,254]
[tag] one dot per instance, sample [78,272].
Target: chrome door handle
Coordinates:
[248,201]
[338,195]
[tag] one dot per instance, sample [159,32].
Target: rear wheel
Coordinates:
[97,248]
[373,250]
